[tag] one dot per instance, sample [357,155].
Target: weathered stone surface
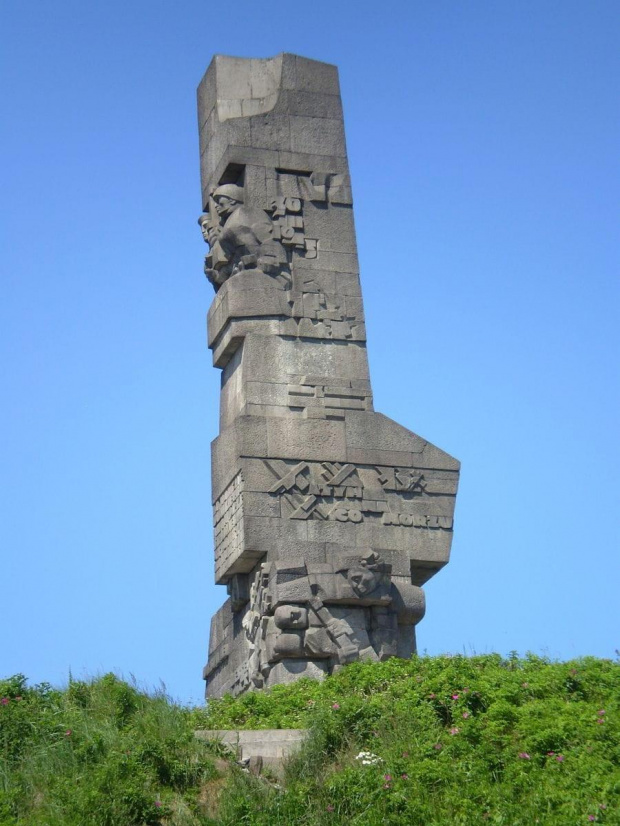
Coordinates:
[328,516]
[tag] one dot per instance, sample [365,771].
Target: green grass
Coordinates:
[455,740]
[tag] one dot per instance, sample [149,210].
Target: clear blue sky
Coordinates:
[483,142]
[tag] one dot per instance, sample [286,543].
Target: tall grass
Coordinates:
[99,752]
[432,741]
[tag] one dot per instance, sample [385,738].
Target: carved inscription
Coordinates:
[344,492]
[319,187]
[228,522]
[288,221]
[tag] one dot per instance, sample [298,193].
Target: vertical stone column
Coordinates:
[328,516]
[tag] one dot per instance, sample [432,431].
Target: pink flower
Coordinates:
[550,753]
[4,701]
[465,715]
[68,733]
[438,746]
[336,706]
[405,776]
[602,711]
[158,803]
[387,778]
[591,817]
[524,755]
[454,731]
[600,720]
[329,808]
[559,758]
[455,696]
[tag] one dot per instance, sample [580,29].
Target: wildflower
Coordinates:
[559,758]
[335,706]
[454,730]
[387,778]
[387,786]
[465,715]
[524,755]
[431,696]
[158,803]
[68,732]
[591,817]
[600,720]
[4,701]
[600,713]
[368,758]
[550,753]
[455,696]
[405,776]
[329,808]
[438,746]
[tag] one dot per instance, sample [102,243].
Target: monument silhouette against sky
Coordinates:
[329,517]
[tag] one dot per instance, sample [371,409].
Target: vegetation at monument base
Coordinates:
[432,741]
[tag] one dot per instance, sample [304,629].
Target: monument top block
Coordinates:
[328,515]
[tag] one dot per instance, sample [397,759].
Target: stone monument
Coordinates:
[329,517]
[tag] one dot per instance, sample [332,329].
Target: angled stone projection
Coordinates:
[328,516]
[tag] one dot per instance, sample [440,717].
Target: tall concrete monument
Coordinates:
[329,517]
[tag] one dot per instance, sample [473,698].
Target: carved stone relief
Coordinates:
[354,493]
[336,612]
[228,526]
[317,398]
[319,187]
[240,237]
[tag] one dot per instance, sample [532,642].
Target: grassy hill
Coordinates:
[430,741]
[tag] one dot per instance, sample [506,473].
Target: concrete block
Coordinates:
[314,76]
[307,438]
[317,136]
[271,132]
[310,104]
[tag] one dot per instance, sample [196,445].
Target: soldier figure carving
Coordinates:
[329,517]
[240,239]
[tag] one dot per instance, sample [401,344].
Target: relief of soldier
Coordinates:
[240,237]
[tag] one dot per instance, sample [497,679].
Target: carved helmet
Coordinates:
[232,191]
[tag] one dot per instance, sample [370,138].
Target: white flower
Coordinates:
[368,758]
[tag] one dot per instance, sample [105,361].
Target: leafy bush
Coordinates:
[456,740]
[433,741]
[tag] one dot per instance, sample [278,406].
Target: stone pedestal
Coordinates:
[328,516]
